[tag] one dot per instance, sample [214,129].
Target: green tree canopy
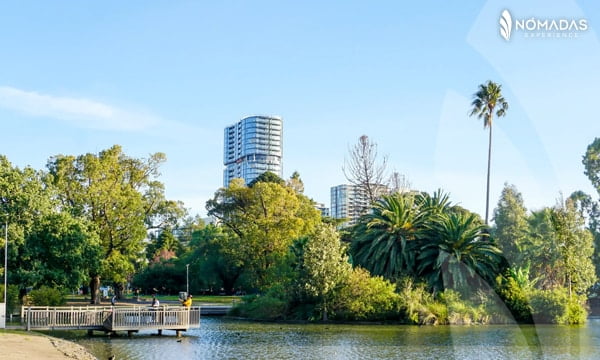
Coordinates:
[265,218]
[591,162]
[575,244]
[511,229]
[267,176]
[118,194]
[325,265]
[24,198]
[61,252]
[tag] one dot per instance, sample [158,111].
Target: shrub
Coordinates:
[413,302]
[550,306]
[271,306]
[576,313]
[461,311]
[437,314]
[47,296]
[364,297]
[515,299]
[261,307]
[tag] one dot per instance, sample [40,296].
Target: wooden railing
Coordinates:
[130,318]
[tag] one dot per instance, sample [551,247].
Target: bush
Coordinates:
[47,296]
[13,298]
[437,314]
[515,299]
[271,306]
[261,307]
[413,302]
[576,313]
[366,298]
[549,306]
[460,311]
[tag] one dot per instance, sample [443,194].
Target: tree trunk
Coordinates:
[119,287]
[487,192]
[95,289]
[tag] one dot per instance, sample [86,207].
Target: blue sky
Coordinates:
[168,76]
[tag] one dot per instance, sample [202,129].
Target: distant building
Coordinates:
[321,207]
[351,202]
[348,202]
[253,146]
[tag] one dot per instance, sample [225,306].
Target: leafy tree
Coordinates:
[23,199]
[118,194]
[591,161]
[267,176]
[546,263]
[486,100]
[296,183]
[363,169]
[164,247]
[590,210]
[325,267]
[163,278]
[214,252]
[575,245]
[511,228]
[60,252]
[458,254]
[265,219]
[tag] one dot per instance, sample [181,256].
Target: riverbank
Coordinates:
[34,346]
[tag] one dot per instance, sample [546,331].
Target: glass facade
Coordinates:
[252,147]
[348,202]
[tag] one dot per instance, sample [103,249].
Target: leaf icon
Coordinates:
[505,25]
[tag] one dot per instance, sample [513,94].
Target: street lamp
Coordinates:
[5,258]
[3,313]
[187,279]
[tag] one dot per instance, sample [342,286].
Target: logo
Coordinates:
[505,25]
[541,28]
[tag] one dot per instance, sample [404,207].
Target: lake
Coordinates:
[220,338]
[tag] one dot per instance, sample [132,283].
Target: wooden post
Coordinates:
[29,319]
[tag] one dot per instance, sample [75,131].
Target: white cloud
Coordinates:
[80,112]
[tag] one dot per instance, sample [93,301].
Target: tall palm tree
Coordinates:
[459,253]
[485,101]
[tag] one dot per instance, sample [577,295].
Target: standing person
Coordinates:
[155,302]
[113,300]
[187,302]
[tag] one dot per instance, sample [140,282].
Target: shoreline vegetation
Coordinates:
[412,257]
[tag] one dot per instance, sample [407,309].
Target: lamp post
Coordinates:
[5,258]
[187,279]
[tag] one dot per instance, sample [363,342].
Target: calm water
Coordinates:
[229,339]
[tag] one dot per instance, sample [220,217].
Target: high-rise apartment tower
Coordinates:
[253,146]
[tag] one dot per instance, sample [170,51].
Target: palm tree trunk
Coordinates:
[487,193]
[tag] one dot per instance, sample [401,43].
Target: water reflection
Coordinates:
[228,339]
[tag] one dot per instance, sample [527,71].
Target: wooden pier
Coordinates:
[111,319]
